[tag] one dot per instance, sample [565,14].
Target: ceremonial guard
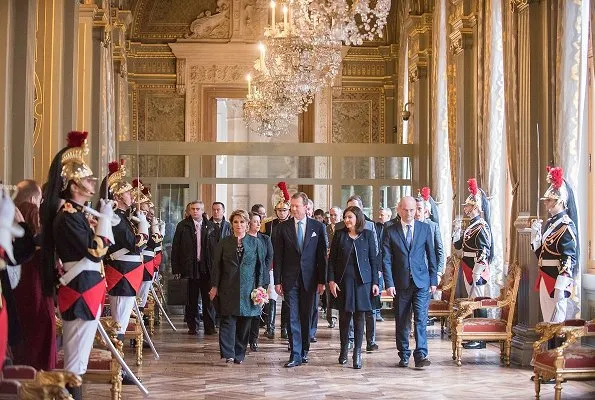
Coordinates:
[556,247]
[124,262]
[69,235]
[281,200]
[476,244]
[142,197]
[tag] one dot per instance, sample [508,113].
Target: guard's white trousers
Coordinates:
[143,292]
[78,336]
[552,309]
[121,307]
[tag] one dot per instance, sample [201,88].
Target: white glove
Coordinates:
[457,228]
[8,229]
[155,227]
[142,224]
[162,228]
[478,269]
[536,234]
[104,222]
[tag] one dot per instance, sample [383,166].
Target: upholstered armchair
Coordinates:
[25,383]
[487,329]
[442,308]
[103,367]
[570,360]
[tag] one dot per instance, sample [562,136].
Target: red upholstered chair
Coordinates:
[567,361]
[487,329]
[442,308]
[24,382]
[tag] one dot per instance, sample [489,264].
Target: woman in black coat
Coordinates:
[353,279]
[238,269]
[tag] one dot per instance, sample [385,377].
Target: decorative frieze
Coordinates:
[462,21]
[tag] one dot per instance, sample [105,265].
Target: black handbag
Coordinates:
[177,292]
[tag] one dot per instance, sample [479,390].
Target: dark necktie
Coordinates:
[409,236]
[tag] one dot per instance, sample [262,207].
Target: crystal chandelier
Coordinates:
[302,54]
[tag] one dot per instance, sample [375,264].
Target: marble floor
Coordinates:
[190,368]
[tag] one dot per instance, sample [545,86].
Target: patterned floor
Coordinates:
[190,368]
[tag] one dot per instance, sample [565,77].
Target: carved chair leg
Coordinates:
[558,388]
[537,383]
[116,386]
[459,351]
[139,349]
[507,346]
[442,322]
[454,347]
[152,323]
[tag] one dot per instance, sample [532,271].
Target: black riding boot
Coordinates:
[75,392]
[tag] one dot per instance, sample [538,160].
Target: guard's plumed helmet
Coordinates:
[281,196]
[115,180]
[474,199]
[558,190]
[72,159]
[141,194]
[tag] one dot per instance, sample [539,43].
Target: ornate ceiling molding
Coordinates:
[462,21]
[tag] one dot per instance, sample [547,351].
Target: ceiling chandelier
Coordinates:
[301,54]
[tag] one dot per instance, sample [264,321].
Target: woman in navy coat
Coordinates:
[353,279]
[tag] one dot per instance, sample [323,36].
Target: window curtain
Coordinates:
[571,118]
[441,173]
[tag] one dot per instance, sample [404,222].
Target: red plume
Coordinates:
[135,182]
[113,167]
[76,138]
[283,186]
[472,186]
[425,193]
[555,176]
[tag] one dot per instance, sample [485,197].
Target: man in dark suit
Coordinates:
[409,278]
[189,260]
[300,271]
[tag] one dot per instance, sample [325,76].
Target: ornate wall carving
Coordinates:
[358,115]
[159,113]
[169,166]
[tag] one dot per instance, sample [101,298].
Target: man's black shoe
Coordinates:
[403,363]
[372,347]
[305,358]
[422,362]
[283,333]
[313,339]
[474,345]
[254,346]
[127,380]
[210,331]
[292,363]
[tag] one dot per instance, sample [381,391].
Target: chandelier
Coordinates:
[301,54]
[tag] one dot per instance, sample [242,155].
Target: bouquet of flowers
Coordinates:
[259,296]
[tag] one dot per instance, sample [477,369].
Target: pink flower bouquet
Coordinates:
[259,296]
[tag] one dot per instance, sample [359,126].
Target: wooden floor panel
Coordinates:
[190,368]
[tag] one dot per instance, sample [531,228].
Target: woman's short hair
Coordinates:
[360,220]
[241,213]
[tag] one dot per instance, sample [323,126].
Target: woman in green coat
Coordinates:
[238,269]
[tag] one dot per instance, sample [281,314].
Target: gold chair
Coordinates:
[135,332]
[150,313]
[25,383]
[103,367]
[443,307]
[487,329]
[567,361]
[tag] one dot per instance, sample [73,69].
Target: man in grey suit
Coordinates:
[335,216]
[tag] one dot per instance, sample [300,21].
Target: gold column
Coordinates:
[21,129]
[420,53]
[6,55]
[463,46]
[529,24]
[49,131]
[91,31]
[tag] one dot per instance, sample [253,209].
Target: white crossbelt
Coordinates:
[471,254]
[148,253]
[158,248]
[74,268]
[550,263]
[123,255]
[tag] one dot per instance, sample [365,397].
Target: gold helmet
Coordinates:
[115,180]
[557,190]
[475,196]
[141,194]
[73,163]
[281,197]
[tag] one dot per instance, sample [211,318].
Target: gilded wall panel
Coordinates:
[358,115]
[168,166]
[158,113]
